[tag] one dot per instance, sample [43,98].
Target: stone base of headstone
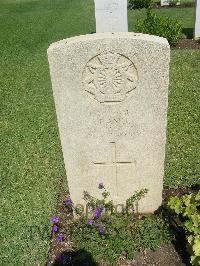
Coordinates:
[111,94]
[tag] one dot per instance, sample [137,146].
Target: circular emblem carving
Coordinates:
[110,77]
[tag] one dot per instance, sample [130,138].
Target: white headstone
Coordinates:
[167,2]
[111,16]
[197,21]
[164,2]
[111,94]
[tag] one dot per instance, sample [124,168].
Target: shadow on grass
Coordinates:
[75,258]
[188,32]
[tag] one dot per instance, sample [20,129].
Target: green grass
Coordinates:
[122,234]
[31,157]
[182,158]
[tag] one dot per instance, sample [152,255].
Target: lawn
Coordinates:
[31,158]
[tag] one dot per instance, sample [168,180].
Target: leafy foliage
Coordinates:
[124,235]
[187,207]
[133,200]
[173,3]
[160,26]
[107,235]
[138,4]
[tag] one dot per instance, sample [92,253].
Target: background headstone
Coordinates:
[111,16]
[111,104]
[167,3]
[197,21]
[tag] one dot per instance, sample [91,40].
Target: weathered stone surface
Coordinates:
[197,21]
[111,94]
[111,16]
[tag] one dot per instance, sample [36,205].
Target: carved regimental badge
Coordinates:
[110,77]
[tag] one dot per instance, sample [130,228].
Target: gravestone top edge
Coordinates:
[109,35]
[111,98]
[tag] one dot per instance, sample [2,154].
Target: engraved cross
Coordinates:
[114,162]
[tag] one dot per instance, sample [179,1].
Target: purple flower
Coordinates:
[98,211]
[54,228]
[101,230]
[89,222]
[101,186]
[97,225]
[60,237]
[68,201]
[54,219]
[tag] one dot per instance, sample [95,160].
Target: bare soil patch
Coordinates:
[187,44]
